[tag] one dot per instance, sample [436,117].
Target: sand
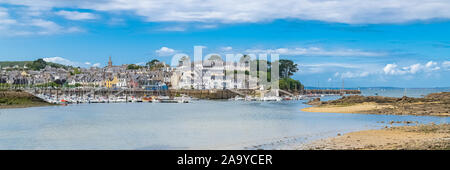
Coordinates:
[356,108]
[422,137]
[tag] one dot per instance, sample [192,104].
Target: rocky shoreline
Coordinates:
[20,99]
[420,137]
[435,104]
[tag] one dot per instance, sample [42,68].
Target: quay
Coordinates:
[200,94]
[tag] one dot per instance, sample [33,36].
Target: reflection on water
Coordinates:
[197,125]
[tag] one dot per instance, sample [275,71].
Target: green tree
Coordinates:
[133,67]
[287,68]
[215,57]
[155,64]
[152,63]
[76,71]
[38,64]
[290,84]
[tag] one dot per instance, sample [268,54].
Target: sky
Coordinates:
[366,43]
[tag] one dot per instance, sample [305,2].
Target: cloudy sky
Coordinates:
[401,43]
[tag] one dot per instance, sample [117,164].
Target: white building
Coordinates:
[212,74]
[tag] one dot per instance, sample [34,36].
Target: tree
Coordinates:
[290,84]
[133,67]
[60,82]
[38,64]
[183,60]
[215,58]
[245,58]
[77,71]
[152,63]
[287,68]
[155,64]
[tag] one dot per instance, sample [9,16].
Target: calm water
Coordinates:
[416,92]
[197,125]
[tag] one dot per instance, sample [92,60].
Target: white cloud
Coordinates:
[50,27]
[173,29]
[75,15]
[446,64]
[394,69]
[315,51]
[226,48]
[140,63]
[349,74]
[343,65]
[241,11]
[165,51]
[60,60]
[5,17]
[64,61]
[207,26]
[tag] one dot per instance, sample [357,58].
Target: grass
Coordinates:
[19,99]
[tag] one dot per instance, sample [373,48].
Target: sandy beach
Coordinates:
[421,137]
[356,108]
[433,137]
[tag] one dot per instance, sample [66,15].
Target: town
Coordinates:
[153,82]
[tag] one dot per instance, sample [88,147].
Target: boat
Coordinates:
[238,98]
[147,99]
[271,98]
[250,98]
[183,99]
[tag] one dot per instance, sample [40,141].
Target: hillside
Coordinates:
[13,63]
[38,64]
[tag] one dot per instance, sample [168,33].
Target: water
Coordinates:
[399,92]
[197,125]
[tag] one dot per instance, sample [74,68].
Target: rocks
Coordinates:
[315,101]
[435,104]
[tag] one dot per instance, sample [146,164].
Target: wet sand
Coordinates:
[356,108]
[421,137]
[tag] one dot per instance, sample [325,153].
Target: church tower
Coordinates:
[109,62]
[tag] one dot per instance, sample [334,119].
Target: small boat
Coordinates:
[250,98]
[183,99]
[147,99]
[272,98]
[238,98]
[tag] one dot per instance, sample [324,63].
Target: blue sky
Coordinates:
[401,43]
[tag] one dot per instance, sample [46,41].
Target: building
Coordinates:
[212,74]
[111,83]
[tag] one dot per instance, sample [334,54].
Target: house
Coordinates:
[213,73]
[111,83]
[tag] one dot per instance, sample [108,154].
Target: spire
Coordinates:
[110,62]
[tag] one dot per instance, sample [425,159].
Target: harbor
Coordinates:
[104,95]
[202,124]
